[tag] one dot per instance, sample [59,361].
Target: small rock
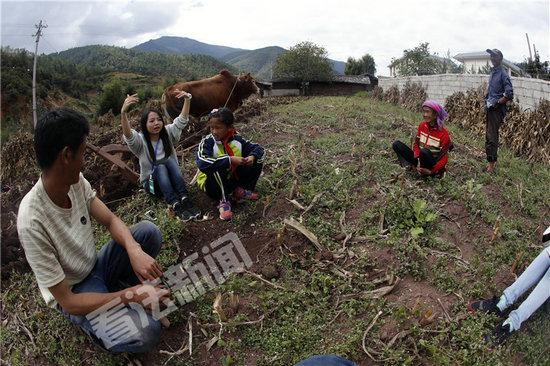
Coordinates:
[340,237]
[269,272]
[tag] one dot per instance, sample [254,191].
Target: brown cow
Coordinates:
[210,93]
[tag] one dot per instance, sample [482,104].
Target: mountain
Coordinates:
[111,58]
[184,46]
[259,62]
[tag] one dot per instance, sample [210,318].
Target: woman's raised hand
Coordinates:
[130,99]
[183,93]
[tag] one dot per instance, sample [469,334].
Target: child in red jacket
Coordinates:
[431,144]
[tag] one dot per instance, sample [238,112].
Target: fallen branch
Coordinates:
[380,292]
[313,202]
[373,294]
[296,203]
[450,219]
[365,335]
[398,336]
[179,352]
[190,344]
[460,260]
[444,311]
[27,331]
[496,229]
[308,234]
[264,280]
[233,324]
[342,227]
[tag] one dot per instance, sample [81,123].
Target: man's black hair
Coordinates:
[56,129]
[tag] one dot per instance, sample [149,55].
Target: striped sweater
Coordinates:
[437,141]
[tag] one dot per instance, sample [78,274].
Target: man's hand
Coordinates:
[502,100]
[148,295]
[145,267]
[249,160]
[237,160]
[423,171]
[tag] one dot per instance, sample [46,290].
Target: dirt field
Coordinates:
[373,292]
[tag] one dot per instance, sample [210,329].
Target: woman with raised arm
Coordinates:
[160,174]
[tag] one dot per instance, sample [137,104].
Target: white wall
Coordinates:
[527,92]
[282,92]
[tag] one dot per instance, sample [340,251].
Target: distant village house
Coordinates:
[478,62]
[339,85]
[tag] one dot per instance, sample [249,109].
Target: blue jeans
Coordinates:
[247,178]
[113,272]
[168,178]
[537,273]
[325,360]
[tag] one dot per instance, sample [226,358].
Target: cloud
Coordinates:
[72,24]
[383,28]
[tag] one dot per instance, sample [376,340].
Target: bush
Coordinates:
[392,95]
[413,95]
[112,96]
[378,93]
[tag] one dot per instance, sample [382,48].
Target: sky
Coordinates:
[382,28]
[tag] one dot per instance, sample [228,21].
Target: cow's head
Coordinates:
[246,85]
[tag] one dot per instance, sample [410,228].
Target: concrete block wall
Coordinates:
[527,92]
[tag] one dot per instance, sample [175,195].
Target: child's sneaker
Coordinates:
[240,194]
[188,206]
[486,306]
[499,335]
[181,212]
[225,210]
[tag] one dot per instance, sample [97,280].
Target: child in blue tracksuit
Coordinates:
[228,163]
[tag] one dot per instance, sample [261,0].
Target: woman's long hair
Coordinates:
[163,134]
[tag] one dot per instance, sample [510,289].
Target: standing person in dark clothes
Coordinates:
[499,92]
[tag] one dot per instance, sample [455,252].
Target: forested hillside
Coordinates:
[86,78]
[111,58]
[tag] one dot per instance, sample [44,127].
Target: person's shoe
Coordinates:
[188,206]
[486,306]
[225,210]
[240,194]
[442,173]
[499,335]
[181,212]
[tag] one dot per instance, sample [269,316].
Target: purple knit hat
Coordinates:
[439,111]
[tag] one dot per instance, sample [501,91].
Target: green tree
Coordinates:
[304,62]
[112,96]
[363,65]
[418,61]
[536,68]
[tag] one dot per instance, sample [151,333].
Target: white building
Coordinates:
[476,61]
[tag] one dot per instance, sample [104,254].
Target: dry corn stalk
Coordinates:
[218,308]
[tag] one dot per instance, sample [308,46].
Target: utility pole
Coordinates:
[529,46]
[38,33]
